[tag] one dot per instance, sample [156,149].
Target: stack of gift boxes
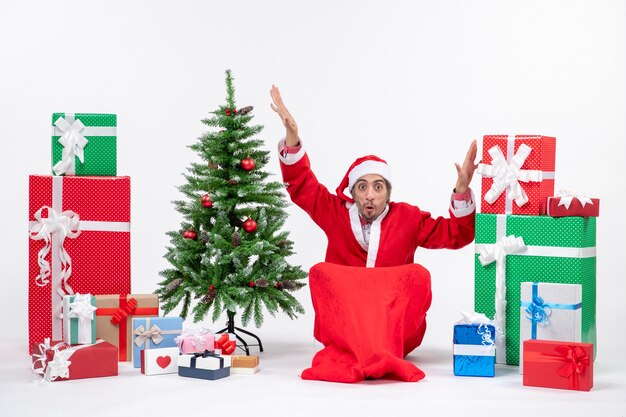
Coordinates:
[82,319]
[535,267]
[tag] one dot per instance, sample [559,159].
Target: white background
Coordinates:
[412,82]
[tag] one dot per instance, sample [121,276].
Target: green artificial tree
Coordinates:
[230,254]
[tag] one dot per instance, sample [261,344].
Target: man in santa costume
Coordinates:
[365,228]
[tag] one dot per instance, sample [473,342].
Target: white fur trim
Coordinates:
[290,158]
[459,211]
[368,167]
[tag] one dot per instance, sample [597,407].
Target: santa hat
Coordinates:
[370,164]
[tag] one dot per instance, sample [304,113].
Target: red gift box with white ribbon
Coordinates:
[571,203]
[518,173]
[79,243]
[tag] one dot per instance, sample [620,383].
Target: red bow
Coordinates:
[226,344]
[121,314]
[576,361]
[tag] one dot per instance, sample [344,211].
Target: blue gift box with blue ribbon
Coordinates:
[474,349]
[550,311]
[154,333]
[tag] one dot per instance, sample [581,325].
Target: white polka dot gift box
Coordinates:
[79,243]
[514,249]
[518,173]
[84,144]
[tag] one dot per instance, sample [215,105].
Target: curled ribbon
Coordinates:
[508,175]
[66,224]
[538,311]
[485,333]
[58,367]
[568,195]
[497,253]
[73,143]
[144,336]
[122,313]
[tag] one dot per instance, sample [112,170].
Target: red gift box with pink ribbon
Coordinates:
[571,203]
[558,364]
[518,173]
[79,243]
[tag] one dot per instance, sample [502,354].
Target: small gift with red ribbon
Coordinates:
[114,318]
[79,230]
[571,203]
[550,311]
[225,343]
[159,361]
[196,340]
[474,347]
[58,361]
[154,333]
[206,365]
[518,173]
[558,364]
[79,319]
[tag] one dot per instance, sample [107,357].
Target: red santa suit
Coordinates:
[394,237]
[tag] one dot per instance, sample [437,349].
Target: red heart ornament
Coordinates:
[163,361]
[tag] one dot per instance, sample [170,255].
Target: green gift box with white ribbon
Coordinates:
[84,144]
[511,249]
[79,319]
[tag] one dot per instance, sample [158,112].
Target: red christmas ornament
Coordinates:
[278,285]
[234,111]
[249,225]
[251,284]
[211,287]
[206,201]
[227,111]
[231,182]
[247,164]
[190,234]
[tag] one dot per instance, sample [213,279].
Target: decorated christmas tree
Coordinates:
[230,254]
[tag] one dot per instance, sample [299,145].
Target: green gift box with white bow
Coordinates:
[84,144]
[79,319]
[511,249]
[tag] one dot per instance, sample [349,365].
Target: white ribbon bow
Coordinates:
[508,175]
[58,367]
[143,335]
[497,253]
[82,308]
[73,143]
[568,195]
[66,224]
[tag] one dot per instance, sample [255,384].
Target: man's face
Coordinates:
[371,196]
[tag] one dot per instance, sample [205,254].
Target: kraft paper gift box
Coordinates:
[196,340]
[571,204]
[154,333]
[159,361]
[245,365]
[84,144]
[518,173]
[114,318]
[558,364]
[79,319]
[550,312]
[474,349]
[57,361]
[513,249]
[79,243]
[205,365]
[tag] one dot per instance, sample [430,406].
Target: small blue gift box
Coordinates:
[474,349]
[154,332]
[205,365]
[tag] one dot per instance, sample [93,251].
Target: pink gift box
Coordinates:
[195,342]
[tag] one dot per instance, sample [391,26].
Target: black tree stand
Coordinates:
[230,328]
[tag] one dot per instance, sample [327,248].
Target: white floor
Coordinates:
[277,390]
